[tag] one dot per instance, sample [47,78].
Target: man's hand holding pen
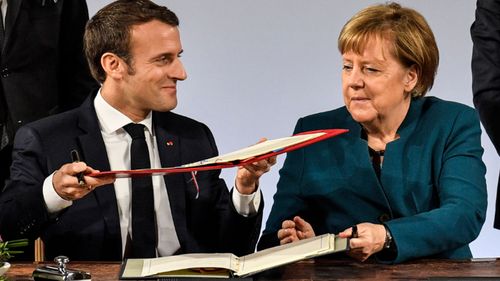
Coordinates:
[67,184]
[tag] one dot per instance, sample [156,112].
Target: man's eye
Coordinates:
[346,67]
[163,59]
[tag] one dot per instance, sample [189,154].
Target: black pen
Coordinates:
[75,157]
[354,233]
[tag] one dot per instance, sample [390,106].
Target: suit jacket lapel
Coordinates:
[169,148]
[94,154]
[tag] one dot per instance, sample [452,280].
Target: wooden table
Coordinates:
[321,269]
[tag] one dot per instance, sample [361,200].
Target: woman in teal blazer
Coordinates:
[408,176]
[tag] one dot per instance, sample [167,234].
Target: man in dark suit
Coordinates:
[133,49]
[42,67]
[485,32]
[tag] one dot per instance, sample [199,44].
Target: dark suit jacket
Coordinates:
[89,229]
[485,32]
[431,193]
[42,67]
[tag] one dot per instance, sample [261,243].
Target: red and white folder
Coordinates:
[236,158]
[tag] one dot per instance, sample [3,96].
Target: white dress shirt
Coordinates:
[117,143]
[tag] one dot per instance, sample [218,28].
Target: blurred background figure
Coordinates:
[485,33]
[42,67]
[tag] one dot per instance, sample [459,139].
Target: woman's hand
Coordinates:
[294,230]
[370,240]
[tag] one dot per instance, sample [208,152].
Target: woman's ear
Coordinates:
[411,79]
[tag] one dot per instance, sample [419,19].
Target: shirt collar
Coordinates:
[111,120]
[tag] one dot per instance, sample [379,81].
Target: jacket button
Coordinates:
[384,217]
[5,72]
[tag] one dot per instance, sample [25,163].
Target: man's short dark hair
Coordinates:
[109,30]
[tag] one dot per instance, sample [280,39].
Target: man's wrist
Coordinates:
[53,200]
[246,189]
[246,204]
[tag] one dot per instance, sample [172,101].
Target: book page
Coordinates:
[195,273]
[255,150]
[132,268]
[288,253]
[155,266]
[219,265]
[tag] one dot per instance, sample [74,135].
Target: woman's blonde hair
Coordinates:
[413,40]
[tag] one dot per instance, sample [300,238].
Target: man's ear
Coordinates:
[113,65]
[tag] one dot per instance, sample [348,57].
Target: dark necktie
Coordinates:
[143,214]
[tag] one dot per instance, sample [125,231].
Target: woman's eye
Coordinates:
[346,67]
[371,69]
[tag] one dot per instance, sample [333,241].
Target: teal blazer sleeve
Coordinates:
[431,193]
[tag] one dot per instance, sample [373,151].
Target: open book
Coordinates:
[239,157]
[225,265]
